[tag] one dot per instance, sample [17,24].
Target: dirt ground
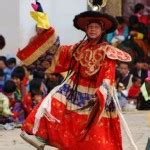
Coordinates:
[137,121]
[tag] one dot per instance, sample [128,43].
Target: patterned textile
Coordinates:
[81,99]
[44,61]
[38,54]
[80,114]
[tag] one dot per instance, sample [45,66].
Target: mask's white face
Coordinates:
[94,31]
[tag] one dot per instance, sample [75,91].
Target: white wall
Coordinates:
[17,26]
[9,26]
[61,14]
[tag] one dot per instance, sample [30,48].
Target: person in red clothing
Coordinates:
[139,13]
[134,90]
[34,96]
[18,75]
[81,112]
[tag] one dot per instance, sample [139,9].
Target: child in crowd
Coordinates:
[124,75]
[6,115]
[2,62]
[37,97]
[34,96]
[122,96]
[139,12]
[41,76]
[18,75]
[53,80]
[134,90]
[26,79]
[11,64]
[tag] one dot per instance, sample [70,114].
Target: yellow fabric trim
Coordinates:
[139,36]
[41,50]
[41,19]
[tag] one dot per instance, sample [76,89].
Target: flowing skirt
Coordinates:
[87,121]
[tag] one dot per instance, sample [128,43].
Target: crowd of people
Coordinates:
[85,95]
[21,90]
[132,36]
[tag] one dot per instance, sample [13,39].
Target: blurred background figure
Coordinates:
[6,114]
[120,34]
[2,42]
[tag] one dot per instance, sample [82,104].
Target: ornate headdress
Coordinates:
[108,22]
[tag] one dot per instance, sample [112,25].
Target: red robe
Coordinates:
[81,125]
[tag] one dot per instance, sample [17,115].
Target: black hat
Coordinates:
[108,22]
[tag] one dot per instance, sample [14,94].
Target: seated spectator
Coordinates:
[120,34]
[37,97]
[139,30]
[5,111]
[134,90]
[139,70]
[41,76]
[137,33]
[34,96]
[139,13]
[27,78]
[38,75]
[122,96]
[18,75]
[53,80]
[2,62]
[11,64]
[124,77]
[2,80]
